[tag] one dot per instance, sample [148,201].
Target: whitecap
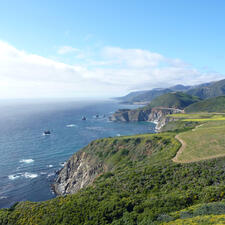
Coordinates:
[62,164]
[71,125]
[13,176]
[50,166]
[3,197]
[43,173]
[26,160]
[51,174]
[30,175]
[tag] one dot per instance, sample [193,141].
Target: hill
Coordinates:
[177,100]
[143,96]
[214,89]
[216,104]
[136,183]
[149,95]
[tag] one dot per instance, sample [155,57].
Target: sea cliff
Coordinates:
[156,115]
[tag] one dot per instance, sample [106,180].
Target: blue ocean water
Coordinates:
[29,160]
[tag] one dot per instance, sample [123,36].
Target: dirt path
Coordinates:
[183,146]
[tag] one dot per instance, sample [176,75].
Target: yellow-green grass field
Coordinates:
[199,117]
[200,220]
[204,142]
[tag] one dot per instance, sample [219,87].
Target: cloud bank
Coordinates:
[110,71]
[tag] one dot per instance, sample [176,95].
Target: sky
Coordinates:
[102,49]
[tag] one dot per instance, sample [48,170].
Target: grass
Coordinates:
[205,142]
[200,220]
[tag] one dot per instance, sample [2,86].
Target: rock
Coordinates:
[156,115]
[79,171]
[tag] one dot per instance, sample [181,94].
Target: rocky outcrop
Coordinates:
[156,115]
[79,171]
[127,115]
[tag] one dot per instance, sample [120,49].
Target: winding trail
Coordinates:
[183,146]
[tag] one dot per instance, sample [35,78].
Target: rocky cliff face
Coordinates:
[79,171]
[155,115]
[127,115]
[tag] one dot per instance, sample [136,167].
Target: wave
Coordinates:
[14,176]
[71,125]
[3,197]
[30,175]
[62,164]
[51,174]
[43,173]
[26,160]
[50,166]
[25,175]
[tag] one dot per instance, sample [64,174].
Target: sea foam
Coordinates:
[71,125]
[25,175]
[14,176]
[26,160]
[30,175]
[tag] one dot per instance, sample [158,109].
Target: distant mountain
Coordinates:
[148,95]
[216,104]
[178,100]
[211,90]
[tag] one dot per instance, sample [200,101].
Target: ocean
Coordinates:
[29,159]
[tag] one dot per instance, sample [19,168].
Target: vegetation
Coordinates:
[214,89]
[211,213]
[143,186]
[177,100]
[216,104]
[204,142]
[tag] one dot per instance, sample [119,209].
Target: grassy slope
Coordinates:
[211,213]
[173,100]
[203,142]
[210,105]
[143,185]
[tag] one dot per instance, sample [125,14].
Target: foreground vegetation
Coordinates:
[143,186]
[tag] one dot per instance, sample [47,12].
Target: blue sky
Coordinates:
[109,37]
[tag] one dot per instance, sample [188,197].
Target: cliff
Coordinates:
[156,115]
[97,158]
[79,171]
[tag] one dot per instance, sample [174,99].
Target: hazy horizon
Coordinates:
[101,49]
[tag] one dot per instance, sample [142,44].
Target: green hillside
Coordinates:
[177,100]
[216,104]
[213,90]
[143,186]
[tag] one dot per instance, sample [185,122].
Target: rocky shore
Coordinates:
[84,167]
[156,115]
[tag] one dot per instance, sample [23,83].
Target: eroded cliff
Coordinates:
[156,115]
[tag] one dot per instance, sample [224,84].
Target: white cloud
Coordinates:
[67,49]
[111,71]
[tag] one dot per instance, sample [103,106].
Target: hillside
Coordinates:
[212,90]
[216,104]
[177,100]
[143,96]
[148,95]
[139,184]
